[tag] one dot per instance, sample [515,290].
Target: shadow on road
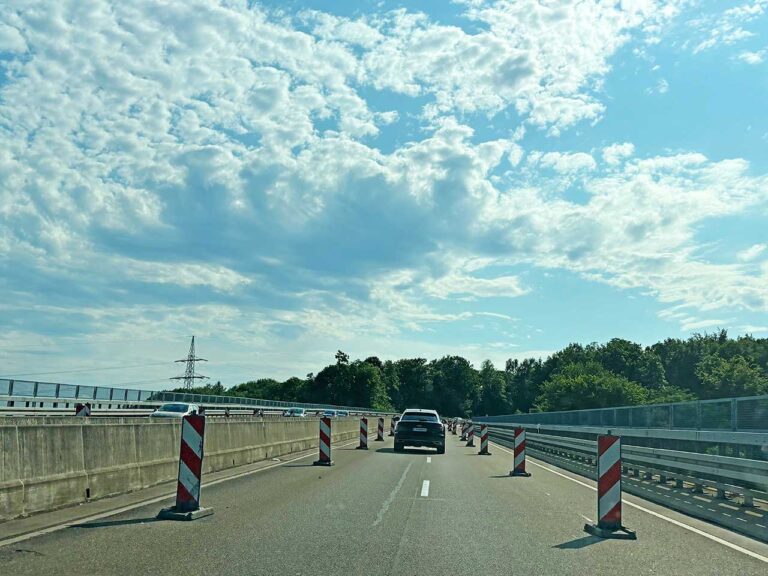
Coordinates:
[298,465]
[582,542]
[407,451]
[108,523]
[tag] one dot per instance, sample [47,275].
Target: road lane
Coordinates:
[367,515]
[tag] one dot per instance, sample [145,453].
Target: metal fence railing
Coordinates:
[748,414]
[24,393]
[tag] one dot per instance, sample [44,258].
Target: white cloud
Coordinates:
[661,87]
[566,163]
[728,27]
[614,153]
[218,150]
[697,324]
[457,285]
[11,39]
[751,253]
[752,57]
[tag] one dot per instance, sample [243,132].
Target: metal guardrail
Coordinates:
[28,394]
[737,414]
[721,477]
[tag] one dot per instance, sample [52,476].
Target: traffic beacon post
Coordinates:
[470,435]
[518,462]
[325,443]
[609,491]
[380,430]
[483,441]
[363,434]
[190,471]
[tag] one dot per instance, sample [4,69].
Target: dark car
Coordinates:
[420,428]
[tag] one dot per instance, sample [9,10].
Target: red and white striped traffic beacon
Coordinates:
[190,472]
[609,491]
[325,443]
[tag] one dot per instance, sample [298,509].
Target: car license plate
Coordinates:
[419,429]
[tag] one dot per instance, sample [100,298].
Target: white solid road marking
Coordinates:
[425,488]
[693,529]
[429,459]
[116,511]
[391,497]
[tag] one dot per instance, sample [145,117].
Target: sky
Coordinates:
[488,178]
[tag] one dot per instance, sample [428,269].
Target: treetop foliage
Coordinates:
[617,373]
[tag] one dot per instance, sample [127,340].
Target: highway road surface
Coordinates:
[381,513]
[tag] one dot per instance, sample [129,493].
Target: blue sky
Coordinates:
[284,179]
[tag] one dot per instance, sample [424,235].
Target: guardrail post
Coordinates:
[698,414]
[734,415]
[10,393]
[720,495]
[697,488]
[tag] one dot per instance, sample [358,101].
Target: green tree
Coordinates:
[588,385]
[455,387]
[633,362]
[721,377]
[493,393]
[415,383]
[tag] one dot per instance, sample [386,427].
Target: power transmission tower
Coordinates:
[189,374]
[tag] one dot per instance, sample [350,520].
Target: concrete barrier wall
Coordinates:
[46,465]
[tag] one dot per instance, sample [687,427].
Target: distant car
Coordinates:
[295,413]
[420,428]
[176,410]
[342,413]
[329,413]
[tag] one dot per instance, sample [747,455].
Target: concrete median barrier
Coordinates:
[46,465]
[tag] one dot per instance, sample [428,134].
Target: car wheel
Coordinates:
[441,449]
[398,447]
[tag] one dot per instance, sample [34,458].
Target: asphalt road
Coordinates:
[371,514]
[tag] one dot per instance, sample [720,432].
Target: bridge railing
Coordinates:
[745,414]
[29,394]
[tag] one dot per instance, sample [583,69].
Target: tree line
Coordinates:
[617,373]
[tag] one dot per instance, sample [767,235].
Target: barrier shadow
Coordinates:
[579,543]
[108,523]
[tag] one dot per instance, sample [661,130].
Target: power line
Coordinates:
[84,370]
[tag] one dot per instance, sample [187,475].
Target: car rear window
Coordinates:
[173,408]
[415,417]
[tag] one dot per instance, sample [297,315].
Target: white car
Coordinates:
[295,413]
[175,410]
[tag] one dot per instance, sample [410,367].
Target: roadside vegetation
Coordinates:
[617,373]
